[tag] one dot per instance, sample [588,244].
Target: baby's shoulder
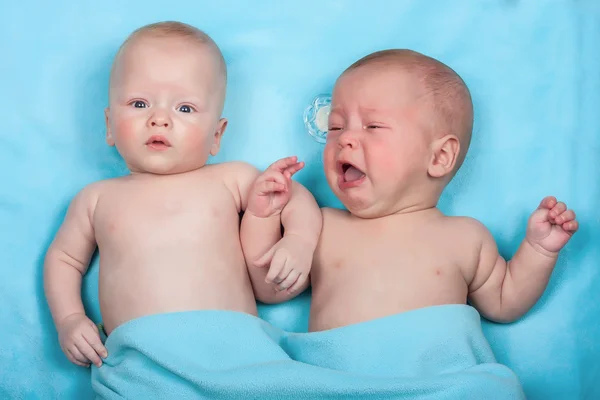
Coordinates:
[232,167]
[462,222]
[468,237]
[467,228]
[237,177]
[234,171]
[86,200]
[95,189]
[106,186]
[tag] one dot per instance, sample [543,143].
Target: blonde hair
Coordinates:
[174,29]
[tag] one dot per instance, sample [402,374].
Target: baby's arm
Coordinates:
[279,267]
[65,263]
[504,291]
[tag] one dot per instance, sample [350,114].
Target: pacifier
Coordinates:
[316,117]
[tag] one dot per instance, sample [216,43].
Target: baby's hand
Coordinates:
[290,261]
[80,340]
[271,190]
[551,226]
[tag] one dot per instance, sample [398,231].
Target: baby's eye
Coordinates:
[373,126]
[335,128]
[185,109]
[139,104]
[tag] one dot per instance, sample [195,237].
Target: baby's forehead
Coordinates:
[148,53]
[379,88]
[383,77]
[168,46]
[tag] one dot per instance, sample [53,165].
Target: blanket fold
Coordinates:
[433,353]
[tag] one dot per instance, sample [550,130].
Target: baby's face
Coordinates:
[165,105]
[377,141]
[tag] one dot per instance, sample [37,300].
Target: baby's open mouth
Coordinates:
[351,173]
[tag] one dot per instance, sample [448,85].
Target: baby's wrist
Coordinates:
[263,215]
[538,248]
[64,320]
[305,239]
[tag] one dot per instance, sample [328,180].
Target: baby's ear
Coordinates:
[109,137]
[445,151]
[214,149]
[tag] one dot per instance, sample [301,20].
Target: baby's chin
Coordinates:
[163,168]
[361,205]
[363,210]
[371,211]
[357,205]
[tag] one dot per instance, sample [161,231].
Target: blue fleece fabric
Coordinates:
[432,353]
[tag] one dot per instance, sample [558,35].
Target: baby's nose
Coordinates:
[160,123]
[160,119]
[347,139]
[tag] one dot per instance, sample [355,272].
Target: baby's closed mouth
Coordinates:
[158,142]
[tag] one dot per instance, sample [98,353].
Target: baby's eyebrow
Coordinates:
[369,110]
[126,94]
[201,105]
[337,111]
[192,99]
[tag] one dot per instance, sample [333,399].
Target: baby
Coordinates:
[167,233]
[399,129]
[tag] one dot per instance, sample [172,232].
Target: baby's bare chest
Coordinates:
[164,214]
[370,269]
[367,260]
[383,258]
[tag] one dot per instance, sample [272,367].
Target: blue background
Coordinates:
[534,71]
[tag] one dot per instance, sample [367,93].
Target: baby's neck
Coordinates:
[141,174]
[405,212]
[405,206]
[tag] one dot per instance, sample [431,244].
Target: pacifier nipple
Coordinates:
[316,117]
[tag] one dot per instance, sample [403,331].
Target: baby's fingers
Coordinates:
[88,351]
[284,273]
[571,226]
[277,267]
[548,202]
[289,280]
[292,169]
[75,356]
[558,209]
[566,216]
[265,187]
[93,338]
[299,282]
[282,164]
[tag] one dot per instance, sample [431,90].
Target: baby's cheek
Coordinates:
[328,156]
[198,139]
[124,128]
[385,159]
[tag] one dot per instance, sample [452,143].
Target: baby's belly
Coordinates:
[334,306]
[131,289]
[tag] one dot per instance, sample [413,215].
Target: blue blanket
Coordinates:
[432,353]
